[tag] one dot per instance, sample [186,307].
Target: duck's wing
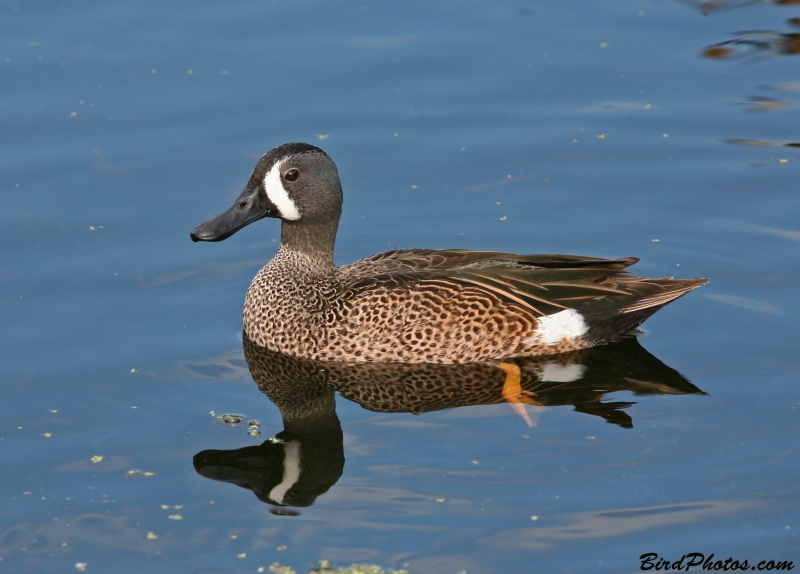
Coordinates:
[445,259]
[611,301]
[542,283]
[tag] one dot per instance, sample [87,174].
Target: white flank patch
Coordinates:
[567,324]
[555,373]
[277,194]
[291,471]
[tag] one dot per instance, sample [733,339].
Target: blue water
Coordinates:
[593,128]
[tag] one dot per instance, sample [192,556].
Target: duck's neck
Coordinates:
[310,242]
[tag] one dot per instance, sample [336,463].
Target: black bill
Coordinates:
[245,210]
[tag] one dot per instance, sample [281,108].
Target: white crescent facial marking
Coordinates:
[287,209]
[562,325]
[555,373]
[291,471]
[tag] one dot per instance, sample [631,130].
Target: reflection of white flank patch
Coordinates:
[555,373]
[567,324]
[277,194]
[291,471]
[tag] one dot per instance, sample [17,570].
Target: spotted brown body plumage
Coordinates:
[417,305]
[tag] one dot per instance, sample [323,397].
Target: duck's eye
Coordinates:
[292,174]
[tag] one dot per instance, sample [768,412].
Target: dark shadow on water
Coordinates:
[307,458]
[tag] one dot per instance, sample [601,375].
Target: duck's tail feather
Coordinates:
[606,327]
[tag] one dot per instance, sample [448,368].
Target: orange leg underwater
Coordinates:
[513,393]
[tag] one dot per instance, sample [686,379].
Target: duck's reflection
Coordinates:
[307,458]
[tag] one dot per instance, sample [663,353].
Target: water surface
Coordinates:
[609,129]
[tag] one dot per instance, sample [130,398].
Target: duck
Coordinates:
[418,305]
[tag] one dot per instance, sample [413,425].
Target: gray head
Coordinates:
[295,182]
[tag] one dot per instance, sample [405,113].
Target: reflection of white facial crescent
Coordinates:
[277,194]
[291,471]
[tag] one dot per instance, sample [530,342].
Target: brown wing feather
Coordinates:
[670,289]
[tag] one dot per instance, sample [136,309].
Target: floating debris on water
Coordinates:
[231,420]
[326,568]
[152,536]
[284,512]
[254,428]
[137,472]
[96,458]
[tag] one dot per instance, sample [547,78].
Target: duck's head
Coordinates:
[295,182]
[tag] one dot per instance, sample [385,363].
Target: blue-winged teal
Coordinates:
[417,305]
